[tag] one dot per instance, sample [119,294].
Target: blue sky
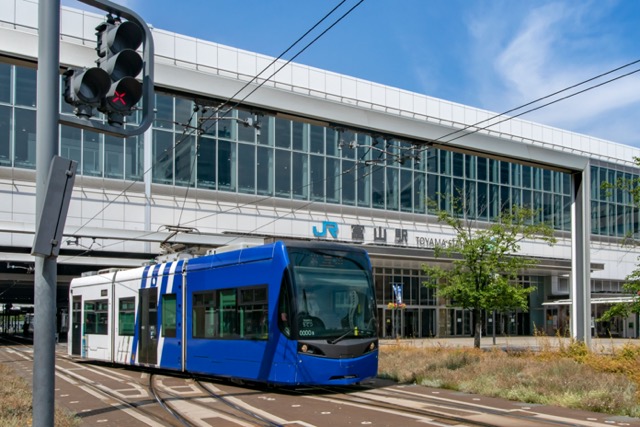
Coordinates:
[494,55]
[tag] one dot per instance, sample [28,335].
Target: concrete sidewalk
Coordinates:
[602,345]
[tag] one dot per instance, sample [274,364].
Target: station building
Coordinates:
[300,153]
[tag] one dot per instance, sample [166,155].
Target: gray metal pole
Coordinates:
[580,260]
[45,279]
[493,322]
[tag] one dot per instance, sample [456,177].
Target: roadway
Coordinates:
[107,396]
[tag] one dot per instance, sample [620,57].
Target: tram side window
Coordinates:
[253,312]
[96,317]
[204,316]
[169,315]
[238,313]
[126,316]
[228,313]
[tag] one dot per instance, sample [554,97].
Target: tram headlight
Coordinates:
[309,349]
[372,346]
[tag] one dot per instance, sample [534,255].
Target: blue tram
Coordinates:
[285,314]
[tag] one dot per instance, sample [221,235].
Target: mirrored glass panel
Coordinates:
[71,143]
[113,157]
[227,165]
[283,173]
[25,138]
[162,157]
[265,171]
[92,153]
[26,86]
[246,168]
[207,163]
[5,82]
[5,135]
[134,158]
[185,156]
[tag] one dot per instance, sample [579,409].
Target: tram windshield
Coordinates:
[334,295]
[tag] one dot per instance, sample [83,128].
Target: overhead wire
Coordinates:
[504,113]
[549,103]
[458,137]
[464,129]
[184,136]
[289,60]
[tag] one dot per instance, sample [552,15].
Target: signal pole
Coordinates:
[117,93]
[46,276]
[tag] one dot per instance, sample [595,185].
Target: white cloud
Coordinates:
[549,48]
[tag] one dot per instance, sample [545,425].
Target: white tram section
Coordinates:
[117,219]
[108,304]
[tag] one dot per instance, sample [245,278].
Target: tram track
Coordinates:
[162,396]
[183,420]
[407,403]
[188,400]
[194,408]
[137,409]
[253,415]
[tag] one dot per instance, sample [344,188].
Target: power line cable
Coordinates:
[450,134]
[289,60]
[184,136]
[215,112]
[540,99]
[548,103]
[460,136]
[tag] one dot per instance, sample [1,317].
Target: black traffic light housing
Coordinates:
[116,46]
[85,89]
[113,87]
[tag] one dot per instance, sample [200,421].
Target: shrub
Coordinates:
[570,376]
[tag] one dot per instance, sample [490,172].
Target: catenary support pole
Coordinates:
[580,262]
[45,279]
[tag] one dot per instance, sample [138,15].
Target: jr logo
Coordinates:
[327,226]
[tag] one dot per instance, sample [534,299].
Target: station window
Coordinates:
[126,316]
[96,315]
[5,82]
[5,134]
[169,315]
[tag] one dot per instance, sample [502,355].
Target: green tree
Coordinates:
[484,265]
[630,186]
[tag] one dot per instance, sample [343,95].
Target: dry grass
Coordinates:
[567,375]
[15,403]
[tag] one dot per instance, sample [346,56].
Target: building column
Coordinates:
[580,262]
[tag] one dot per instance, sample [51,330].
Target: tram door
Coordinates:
[76,332]
[148,352]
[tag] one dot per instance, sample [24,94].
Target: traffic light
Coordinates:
[122,79]
[117,44]
[85,89]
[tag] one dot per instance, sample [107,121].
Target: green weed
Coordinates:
[568,375]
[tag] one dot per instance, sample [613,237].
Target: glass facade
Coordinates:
[195,146]
[97,155]
[612,211]
[303,161]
